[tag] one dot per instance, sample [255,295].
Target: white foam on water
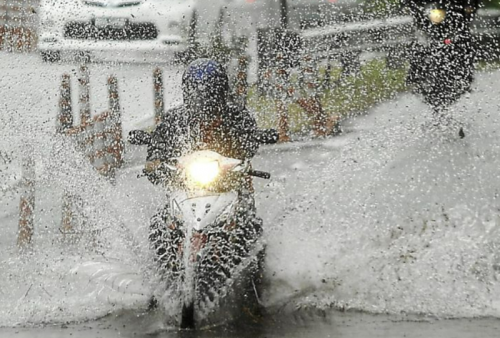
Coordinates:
[52,283]
[405,219]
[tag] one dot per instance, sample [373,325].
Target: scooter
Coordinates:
[207,239]
[442,66]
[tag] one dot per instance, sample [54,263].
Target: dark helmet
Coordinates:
[205,87]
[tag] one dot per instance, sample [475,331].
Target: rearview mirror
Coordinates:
[139,137]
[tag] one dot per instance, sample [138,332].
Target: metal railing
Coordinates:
[373,35]
[391,34]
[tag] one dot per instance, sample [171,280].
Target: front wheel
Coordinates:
[187,315]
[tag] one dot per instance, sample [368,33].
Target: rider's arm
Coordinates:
[166,138]
[162,148]
[157,153]
[245,132]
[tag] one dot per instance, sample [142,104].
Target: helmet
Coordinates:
[205,87]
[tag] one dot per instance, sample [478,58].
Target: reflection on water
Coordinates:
[302,323]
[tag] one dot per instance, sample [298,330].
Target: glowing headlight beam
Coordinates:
[203,173]
[437,15]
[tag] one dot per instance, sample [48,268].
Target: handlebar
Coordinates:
[259,174]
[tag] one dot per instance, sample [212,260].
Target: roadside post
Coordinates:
[65,117]
[84,94]
[159,104]
[282,74]
[2,37]
[99,155]
[27,201]
[114,127]
[309,92]
[282,91]
[64,124]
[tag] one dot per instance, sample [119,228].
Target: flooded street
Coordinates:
[301,324]
[392,220]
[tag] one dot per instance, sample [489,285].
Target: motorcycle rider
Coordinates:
[464,8]
[205,121]
[445,22]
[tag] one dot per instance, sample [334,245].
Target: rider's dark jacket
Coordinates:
[231,135]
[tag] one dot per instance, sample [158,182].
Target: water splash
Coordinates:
[404,219]
[392,218]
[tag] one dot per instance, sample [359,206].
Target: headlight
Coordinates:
[437,16]
[203,173]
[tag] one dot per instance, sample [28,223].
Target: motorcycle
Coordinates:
[441,67]
[207,239]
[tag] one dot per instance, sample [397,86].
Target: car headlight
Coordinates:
[437,15]
[202,173]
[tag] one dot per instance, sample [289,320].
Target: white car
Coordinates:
[158,27]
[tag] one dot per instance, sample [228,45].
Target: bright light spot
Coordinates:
[437,16]
[203,173]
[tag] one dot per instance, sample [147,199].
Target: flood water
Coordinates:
[328,324]
[393,221]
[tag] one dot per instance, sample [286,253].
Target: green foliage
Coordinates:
[374,84]
[491,3]
[382,7]
[485,66]
[341,98]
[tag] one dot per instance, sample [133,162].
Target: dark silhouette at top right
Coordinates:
[442,61]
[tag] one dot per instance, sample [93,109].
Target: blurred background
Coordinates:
[320,47]
[331,49]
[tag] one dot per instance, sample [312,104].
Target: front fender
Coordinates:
[201,211]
